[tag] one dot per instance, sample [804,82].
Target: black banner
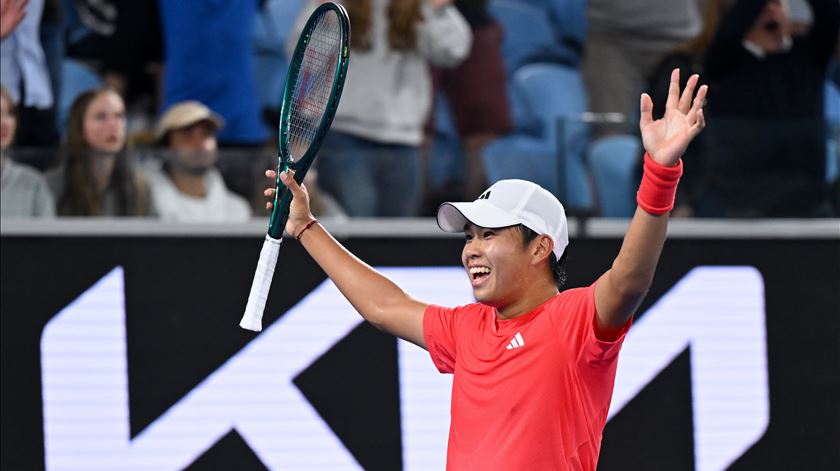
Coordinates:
[183,357]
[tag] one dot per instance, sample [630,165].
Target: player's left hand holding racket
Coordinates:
[316,76]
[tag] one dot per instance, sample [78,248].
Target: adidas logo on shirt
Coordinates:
[516,342]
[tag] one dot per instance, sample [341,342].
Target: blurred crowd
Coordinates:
[169,109]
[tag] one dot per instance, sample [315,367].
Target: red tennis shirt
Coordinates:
[529,393]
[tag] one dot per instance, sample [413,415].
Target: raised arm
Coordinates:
[622,288]
[11,14]
[824,28]
[725,48]
[375,297]
[444,37]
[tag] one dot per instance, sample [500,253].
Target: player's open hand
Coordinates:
[299,212]
[666,139]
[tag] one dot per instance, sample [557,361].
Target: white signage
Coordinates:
[716,312]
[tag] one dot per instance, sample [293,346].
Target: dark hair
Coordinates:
[558,267]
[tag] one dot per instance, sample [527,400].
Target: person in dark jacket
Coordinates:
[766,135]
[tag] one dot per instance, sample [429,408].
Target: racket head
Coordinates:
[315,80]
[314,83]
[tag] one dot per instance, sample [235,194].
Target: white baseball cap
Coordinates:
[509,203]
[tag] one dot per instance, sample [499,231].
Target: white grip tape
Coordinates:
[252,319]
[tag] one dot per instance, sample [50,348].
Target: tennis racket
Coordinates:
[313,88]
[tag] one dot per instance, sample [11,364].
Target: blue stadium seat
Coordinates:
[446,158]
[832,115]
[549,91]
[521,156]
[569,26]
[554,96]
[613,161]
[832,102]
[527,31]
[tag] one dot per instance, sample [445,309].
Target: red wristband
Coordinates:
[308,225]
[659,186]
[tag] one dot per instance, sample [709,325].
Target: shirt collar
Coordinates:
[760,53]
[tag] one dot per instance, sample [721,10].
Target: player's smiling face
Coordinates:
[496,262]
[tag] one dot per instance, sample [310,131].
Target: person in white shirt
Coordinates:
[23,191]
[185,184]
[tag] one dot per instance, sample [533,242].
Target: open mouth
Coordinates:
[772,26]
[478,274]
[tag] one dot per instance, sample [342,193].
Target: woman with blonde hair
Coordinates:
[97,177]
[23,191]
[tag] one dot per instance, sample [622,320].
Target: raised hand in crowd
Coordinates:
[11,14]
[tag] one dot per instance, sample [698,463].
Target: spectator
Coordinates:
[370,160]
[98,177]
[688,57]
[23,191]
[756,68]
[767,138]
[626,40]
[208,54]
[477,93]
[24,73]
[187,187]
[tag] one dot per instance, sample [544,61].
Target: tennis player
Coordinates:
[534,365]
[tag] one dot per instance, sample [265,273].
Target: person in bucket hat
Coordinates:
[186,184]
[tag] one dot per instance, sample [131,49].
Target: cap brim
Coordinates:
[453,217]
[213,118]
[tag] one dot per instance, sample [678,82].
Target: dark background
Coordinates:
[184,298]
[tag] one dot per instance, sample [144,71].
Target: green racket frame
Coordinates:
[283,197]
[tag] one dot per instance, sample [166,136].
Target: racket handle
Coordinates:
[252,319]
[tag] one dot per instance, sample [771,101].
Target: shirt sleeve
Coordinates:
[594,352]
[439,333]
[444,37]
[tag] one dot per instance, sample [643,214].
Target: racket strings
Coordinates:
[314,83]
